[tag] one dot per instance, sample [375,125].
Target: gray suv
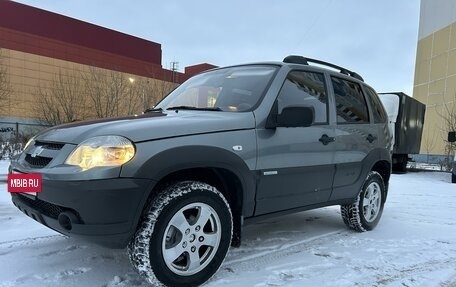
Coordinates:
[228,147]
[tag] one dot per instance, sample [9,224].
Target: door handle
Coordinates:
[370,138]
[326,140]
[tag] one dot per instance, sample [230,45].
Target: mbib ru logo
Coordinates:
[24,182]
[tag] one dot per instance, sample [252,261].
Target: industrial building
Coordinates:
[41,51]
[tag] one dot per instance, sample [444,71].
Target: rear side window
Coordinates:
[377,106]
[350,102]
[305,89]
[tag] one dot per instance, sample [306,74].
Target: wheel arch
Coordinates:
[383,167]
[218,167]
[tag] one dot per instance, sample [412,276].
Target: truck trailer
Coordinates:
[406,120]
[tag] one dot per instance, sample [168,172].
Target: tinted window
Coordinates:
[305,89]
[377,106]
[350,103]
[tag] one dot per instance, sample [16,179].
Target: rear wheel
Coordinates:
[185,236]
[364,214]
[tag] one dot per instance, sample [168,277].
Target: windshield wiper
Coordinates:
[152,110]
[194,108]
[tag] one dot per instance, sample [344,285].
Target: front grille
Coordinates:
[45,208]
[52,146]
[37,161]
[42,153]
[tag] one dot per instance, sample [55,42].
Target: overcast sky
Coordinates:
[377,39]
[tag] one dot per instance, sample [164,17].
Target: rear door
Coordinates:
[355,136]
[379,119]
[295,165]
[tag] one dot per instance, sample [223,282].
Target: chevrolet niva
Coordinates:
[228,147]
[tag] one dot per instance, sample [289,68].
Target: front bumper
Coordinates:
[103,211]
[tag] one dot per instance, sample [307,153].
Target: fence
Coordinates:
[14,130]
[14,135]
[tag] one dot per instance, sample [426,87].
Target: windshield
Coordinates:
[234,89]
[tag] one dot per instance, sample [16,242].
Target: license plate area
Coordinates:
[27,184]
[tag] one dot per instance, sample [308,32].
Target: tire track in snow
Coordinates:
[450,282]
[282,250]
[406,273]
[26,241]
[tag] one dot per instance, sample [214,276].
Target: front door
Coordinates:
[295,165]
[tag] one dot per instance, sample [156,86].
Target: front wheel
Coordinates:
[364,214]
[185,236]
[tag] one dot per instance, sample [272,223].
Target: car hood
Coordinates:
[150,126]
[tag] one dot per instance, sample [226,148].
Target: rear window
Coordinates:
[350,102]
[378,111]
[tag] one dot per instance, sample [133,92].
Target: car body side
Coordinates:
[112,201]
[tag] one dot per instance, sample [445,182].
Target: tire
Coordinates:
[453,178]
[365,213]
[184,237]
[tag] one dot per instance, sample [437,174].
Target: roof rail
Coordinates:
[294,59]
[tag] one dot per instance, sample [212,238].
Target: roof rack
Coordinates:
[294,59]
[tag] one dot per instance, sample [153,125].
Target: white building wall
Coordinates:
[435,15]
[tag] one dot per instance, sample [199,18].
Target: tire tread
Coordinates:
[351,212]
[138,249]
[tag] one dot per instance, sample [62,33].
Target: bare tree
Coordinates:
[131,102]
[448,116]
[153,91]
[103,92]
[97,93]
[156,90]
[429,143]
[5,87]
[62,101]
[111,93]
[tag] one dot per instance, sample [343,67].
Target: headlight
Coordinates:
[102,151]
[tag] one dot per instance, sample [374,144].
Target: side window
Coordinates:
[378,110]
[350,103]
[305,89]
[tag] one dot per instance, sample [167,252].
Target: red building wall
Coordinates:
[36,31]
[196,69]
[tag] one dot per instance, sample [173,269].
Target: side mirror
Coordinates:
[452,137]
[295,116]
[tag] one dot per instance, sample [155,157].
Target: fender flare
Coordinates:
[196,156]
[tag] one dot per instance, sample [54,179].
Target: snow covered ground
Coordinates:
[413,245]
